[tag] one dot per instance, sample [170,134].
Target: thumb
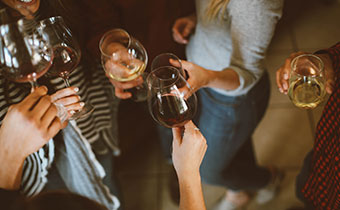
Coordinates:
[177,135]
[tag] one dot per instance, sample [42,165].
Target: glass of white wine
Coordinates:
[123,58]
[306,82]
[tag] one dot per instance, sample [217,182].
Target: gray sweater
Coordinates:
[239,41]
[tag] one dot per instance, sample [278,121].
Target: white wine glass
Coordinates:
[124,59]
[306,82]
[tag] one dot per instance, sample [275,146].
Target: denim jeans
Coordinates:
[228,124]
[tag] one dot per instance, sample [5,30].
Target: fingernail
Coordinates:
[280,89]
[76,89]
[285,76]
[82,104]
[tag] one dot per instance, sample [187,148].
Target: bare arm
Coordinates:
[188,153]
[27,127]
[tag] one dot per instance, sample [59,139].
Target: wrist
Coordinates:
[11,168]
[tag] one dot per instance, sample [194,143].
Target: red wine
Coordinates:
[28,72]
[172,111]
[64,62]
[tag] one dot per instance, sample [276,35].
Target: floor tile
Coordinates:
[140,192]
[166,202]
[283,137]
[285,197]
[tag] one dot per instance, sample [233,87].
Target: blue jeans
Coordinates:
[228,124]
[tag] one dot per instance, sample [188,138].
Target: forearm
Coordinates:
[227,79]
[11,170]
[191,195]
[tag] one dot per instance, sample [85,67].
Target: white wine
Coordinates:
[134,70]
[306,92]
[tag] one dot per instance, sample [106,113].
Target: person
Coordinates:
[317,184]
[225,52]
[189,147]
[226,45]
[80,157]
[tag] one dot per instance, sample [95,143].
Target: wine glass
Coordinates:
[25,57]
[66,52]
[306,82]
[168,59]
[171,101]
[124,59]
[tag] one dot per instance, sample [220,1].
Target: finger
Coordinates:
[187,30]
[278,80]
[120,93]
[116,69]
[68,100]
[54,127]
[175,63]
[49,116]
[33,98]
[42,106]
[64,93]
[191,127]
[179,38]
[177,135]
[75,106]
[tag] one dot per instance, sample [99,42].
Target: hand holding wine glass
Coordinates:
[168,100]
[124,60]
[66,52]
[303,78]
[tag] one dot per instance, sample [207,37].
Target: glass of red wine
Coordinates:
[171,101]
[124,59]
[25,57]
[66,52]
[167,59]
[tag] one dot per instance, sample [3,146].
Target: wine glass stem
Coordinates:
[34,85]
[67,82]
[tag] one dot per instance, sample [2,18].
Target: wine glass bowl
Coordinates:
[23,57]
[67,54]
[167,60]
[171,101]
[65,47]
[123,57]
[306,82]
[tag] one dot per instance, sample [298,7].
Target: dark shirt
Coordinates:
[322,187]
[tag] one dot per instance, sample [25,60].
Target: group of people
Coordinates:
[226,43]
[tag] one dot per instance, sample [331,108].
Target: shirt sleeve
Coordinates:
[252,28]
[334,53]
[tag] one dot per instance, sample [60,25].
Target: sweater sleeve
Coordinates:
[252,28]
[334,53]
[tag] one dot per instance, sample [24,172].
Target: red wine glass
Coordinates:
[25,57]
[171,101]
[66,52]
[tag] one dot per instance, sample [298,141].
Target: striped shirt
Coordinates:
[99,128]
[322,187]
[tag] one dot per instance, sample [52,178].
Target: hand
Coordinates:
[30,124]
[188,151]
[121,86]
[182,28]
[283,73]
[68,98]
[198,76]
